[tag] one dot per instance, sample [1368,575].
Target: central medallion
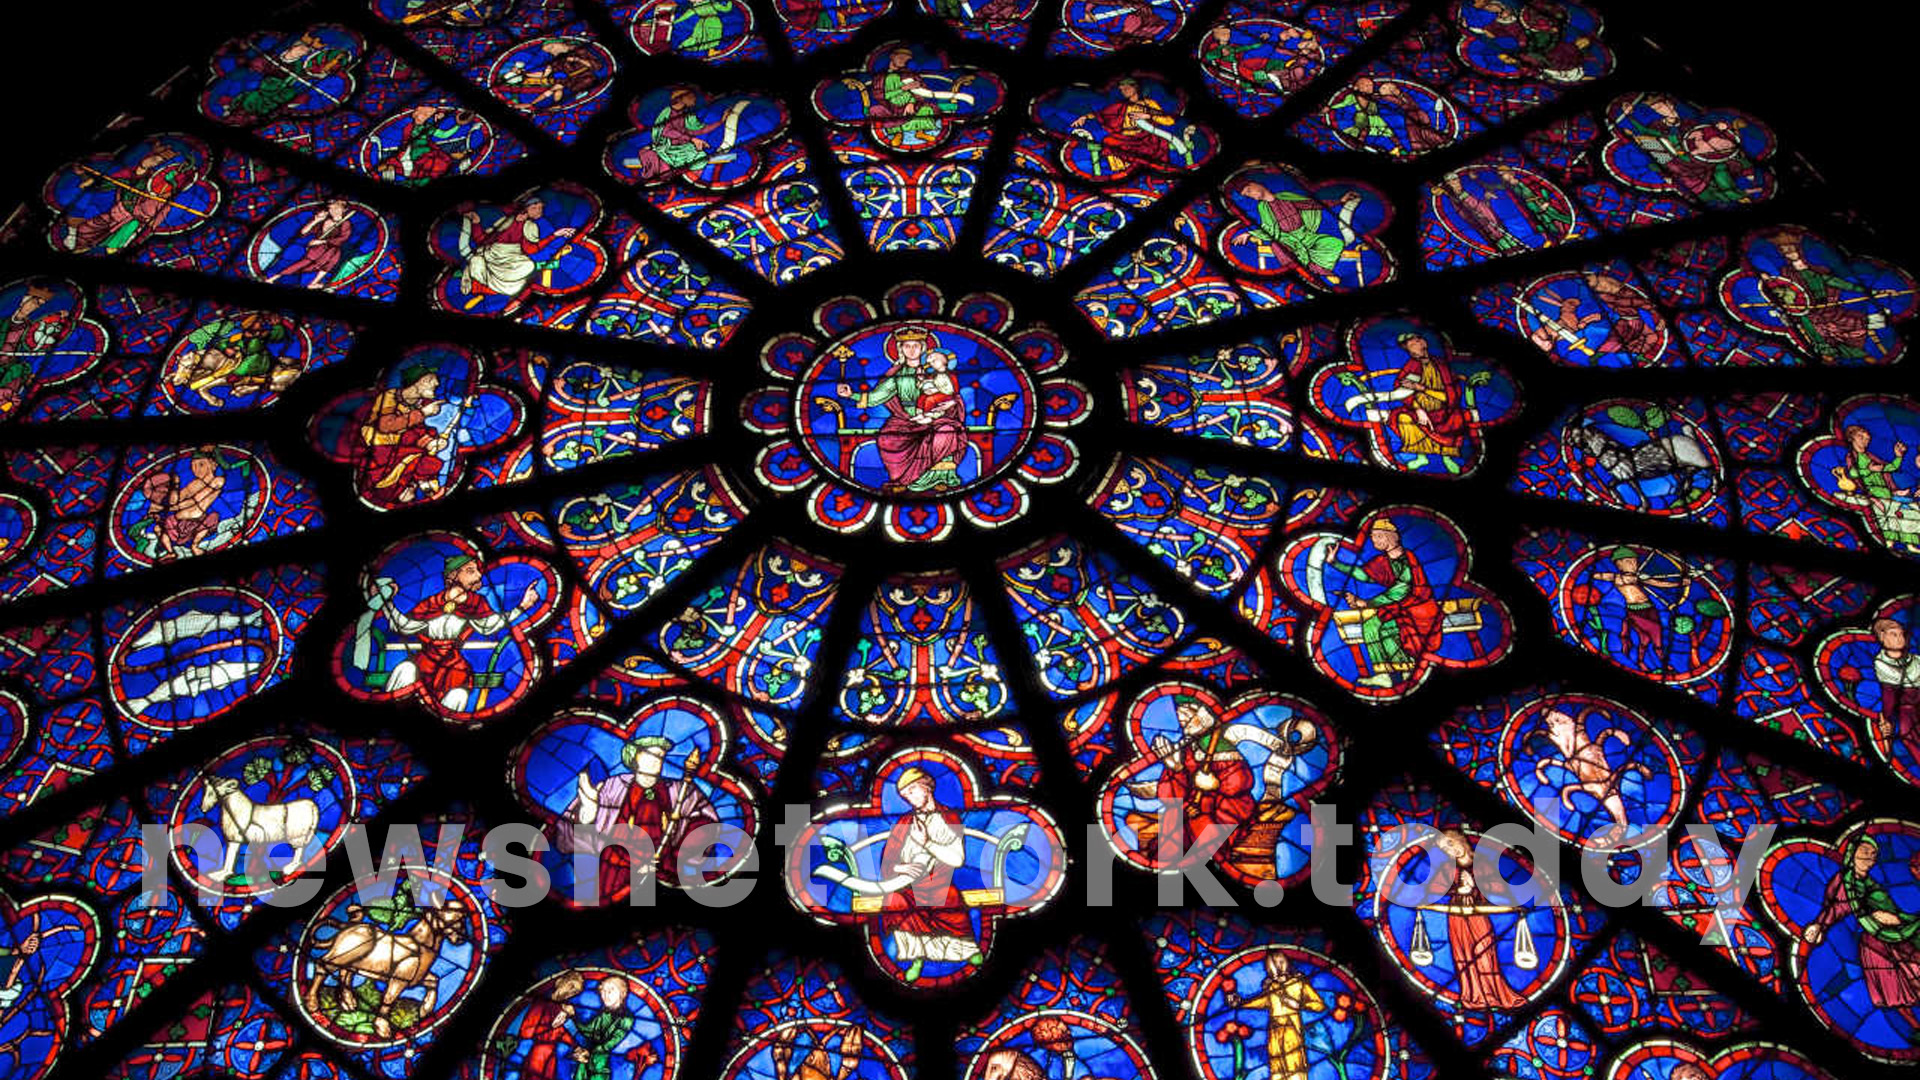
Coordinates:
[915,413]
[905,406]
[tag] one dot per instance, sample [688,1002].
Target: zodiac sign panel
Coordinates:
[1645,456]
[1394,604]
[1291,1010]
[191,502]
[1469,933]
[1592,770]
[201,652]
[1660,614]
[1872,673]
[622,1012]
[377,972]
[1248,766]
[278,805]
[1850,908]
[927,867]
[1870,465]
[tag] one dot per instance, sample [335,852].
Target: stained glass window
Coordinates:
[952,533]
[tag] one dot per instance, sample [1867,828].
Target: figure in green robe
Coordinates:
[599,1034]
[1895,510]
[288,75]
[900,96]
[1369,100]
[1289,224]
[709,25]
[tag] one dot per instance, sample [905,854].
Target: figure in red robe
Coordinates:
[1888,934]
[1400,625]
[926,919]
[1470,936]
[398,459]
[634,813]
[544,1027]
[1205,777]
[142,195]
[1897,668]
[1136,130]
[923,438]
[1431,418]
[440,625]
[319,248]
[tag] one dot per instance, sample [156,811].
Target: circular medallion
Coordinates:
[305,786]
[915,412]
[914,407]
[194,656]
[378,970]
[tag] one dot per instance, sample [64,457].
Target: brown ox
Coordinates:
[402,961]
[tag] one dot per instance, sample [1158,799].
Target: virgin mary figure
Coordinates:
[922,438]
